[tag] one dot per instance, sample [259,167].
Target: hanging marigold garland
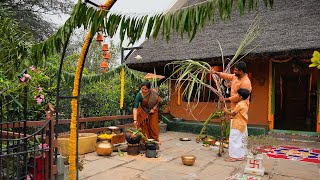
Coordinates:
[122,88]
[179,94]
[107,5]
[270,113]
[74,113]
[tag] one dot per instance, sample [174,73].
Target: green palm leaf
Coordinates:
[183,20]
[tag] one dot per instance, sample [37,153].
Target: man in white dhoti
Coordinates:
[238,130]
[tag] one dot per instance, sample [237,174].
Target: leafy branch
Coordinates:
[187,20]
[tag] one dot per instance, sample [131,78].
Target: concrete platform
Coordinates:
[207,166]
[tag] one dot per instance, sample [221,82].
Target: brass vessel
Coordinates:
[104,148]
[188,160]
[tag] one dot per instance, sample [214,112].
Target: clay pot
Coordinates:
[133,149]
[132,138]
[104,148]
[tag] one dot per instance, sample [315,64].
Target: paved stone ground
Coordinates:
[207,166]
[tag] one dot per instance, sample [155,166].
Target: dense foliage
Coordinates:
[30,14]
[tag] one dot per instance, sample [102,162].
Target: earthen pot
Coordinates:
[132,138]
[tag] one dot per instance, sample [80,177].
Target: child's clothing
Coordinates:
[238,131]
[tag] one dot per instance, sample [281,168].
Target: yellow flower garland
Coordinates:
[179,94]
[74,113]
[107,5]
[270,115]
[122,88]
[74,103]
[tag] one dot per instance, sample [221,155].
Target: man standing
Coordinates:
[238,80]
[237,139]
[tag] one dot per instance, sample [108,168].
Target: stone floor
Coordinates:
[207,165]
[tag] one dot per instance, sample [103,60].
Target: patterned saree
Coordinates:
[147,121]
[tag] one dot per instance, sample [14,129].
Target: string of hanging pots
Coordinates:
[105,51]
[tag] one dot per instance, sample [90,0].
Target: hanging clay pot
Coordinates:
[99,38]
[105,47]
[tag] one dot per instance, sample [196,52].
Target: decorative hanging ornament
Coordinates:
[104,66]
[99,38]
[105,47]
[106,55]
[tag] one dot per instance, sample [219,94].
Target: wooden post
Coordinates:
[83,125]
[49,117]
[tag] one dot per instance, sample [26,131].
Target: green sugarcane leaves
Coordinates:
[183,21]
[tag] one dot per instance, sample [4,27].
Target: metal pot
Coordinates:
[188,160]
[151,145]
[151,153]
[104,148]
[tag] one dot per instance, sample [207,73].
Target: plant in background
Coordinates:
[39,98]
[315,60]
[43,147]
[165,95]
[25,78]
[256,144]
[80,162]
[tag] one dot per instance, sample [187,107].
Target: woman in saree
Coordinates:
[145,111]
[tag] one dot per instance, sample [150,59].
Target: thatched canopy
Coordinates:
[291,28]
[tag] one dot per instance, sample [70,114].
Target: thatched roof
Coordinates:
[289,28]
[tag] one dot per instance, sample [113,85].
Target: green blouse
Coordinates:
[137,100]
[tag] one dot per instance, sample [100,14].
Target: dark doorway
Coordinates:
[295,96]
[294,102]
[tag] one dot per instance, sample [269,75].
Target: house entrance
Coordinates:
[295,98]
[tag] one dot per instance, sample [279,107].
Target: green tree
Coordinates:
[14,45]
[95,55]
[30,14]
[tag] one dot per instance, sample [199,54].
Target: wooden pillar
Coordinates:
[271,97]
[318,102]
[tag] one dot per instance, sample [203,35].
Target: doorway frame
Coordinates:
[271,94]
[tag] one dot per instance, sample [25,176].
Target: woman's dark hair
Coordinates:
[146,83]
[244,93]
[241,66]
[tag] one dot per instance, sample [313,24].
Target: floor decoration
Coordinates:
[254,165]
[294,153]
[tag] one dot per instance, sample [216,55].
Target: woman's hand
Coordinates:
[135,124]
[151,111]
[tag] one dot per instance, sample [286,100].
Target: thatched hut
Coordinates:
[285,90]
